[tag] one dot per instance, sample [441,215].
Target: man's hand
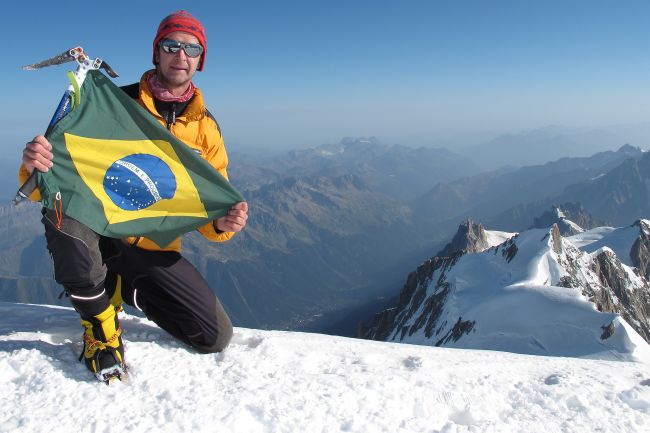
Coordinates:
[38,154]
[235,220]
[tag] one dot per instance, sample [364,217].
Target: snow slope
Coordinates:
[510,298]
[619,240]
[495,237]
[594,235]
[271,381]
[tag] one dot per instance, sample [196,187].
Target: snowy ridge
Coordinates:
[564,219]
[573,226]
[570,219]
[533,294]
[272,382]
[590,236]
[619,240]
[496,238]
[566,226]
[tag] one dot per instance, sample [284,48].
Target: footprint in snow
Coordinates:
[412,362]
[553,379]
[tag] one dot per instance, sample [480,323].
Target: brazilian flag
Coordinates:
[121,173]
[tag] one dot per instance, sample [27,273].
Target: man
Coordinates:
[98,273]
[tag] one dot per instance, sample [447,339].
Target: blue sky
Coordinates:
[302,73]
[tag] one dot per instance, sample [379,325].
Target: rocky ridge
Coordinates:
[571,219]
[430,308]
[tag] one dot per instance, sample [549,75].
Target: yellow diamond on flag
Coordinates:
[135,179]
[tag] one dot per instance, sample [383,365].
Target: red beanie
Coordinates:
[181,21]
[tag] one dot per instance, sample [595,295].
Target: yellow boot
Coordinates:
[103,348]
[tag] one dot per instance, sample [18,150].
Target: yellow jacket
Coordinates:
[199,130]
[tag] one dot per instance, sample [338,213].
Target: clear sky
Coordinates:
[303,73]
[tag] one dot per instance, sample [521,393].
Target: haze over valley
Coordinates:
[335,229]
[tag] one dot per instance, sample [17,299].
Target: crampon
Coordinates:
[103,351]
[113,374]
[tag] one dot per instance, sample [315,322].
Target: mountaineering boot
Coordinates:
[103,348]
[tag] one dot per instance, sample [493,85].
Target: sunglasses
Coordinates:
[172,46]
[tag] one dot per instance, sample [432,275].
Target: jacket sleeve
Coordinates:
[216,155]
[23,175]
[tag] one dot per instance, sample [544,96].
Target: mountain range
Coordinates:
[549,143]
[398,171]
[334,229]
[518,295]
[510,199]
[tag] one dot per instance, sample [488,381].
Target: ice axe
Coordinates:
[68,101]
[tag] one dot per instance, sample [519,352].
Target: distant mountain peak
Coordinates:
[557,218]
[571,219]
[643,225]
[348,141]
[470,237]
[630,150]
[541,145]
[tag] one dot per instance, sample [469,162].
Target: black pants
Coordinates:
[162,284]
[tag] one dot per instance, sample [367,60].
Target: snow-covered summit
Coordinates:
[272,382]
[620,240]
[536,293]
[472,237]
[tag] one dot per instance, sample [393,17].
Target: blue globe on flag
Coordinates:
[138,181]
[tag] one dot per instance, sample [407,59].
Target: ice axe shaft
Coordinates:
[85,64]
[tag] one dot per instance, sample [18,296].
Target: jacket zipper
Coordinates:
[171,117]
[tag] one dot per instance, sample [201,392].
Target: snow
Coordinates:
[590,236]
[619,240]
[517,306]
[575,227]
[598,176]
[495,237]
[272,381]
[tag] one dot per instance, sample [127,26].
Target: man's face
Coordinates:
[176,69]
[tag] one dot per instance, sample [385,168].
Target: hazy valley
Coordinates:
[334,230]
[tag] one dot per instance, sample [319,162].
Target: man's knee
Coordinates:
[216,341]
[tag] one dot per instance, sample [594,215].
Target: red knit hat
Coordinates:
[181,21]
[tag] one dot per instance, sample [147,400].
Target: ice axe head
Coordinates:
[73,54]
